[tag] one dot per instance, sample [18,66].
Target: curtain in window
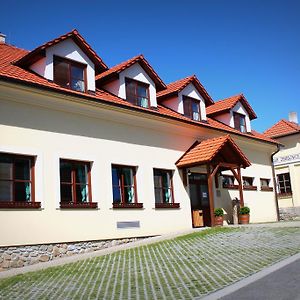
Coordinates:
[82,178]
[144,102]
[27,192]
[128,186]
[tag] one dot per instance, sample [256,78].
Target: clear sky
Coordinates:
[250,47]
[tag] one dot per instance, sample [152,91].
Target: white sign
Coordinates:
[288,159]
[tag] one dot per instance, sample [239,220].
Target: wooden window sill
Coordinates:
[18,205]
[231,187]
[167,205]
[250,188]
[86,205]
[266,189]
[127,205]
[285,195]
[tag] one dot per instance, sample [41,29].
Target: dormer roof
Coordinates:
[39,52]
[282,128]
[113,72]
[175,87]
[225,105]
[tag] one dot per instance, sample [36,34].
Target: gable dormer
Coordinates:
[235,112]
[188,97]
[67,60]
[134,81]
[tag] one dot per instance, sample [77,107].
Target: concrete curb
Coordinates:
[252,278]
[74,258]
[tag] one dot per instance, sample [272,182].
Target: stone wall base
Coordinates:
[289,213]
[20,256]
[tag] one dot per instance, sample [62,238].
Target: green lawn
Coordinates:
[182,268]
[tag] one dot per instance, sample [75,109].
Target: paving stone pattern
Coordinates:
[182,268]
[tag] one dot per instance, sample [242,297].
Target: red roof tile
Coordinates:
[114,71]
[39,52]
[227,104]
[282,128]
[206,151]
[177,86]
[11,72]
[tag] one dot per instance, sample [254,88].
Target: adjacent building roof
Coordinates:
[227,104]
[177,86]
[208,151]
[114,71]
[31,57]
[282,128]
[13,73]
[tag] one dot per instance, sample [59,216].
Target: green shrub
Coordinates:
[219,212]
[244,210]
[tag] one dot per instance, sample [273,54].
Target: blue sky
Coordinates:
[250,47]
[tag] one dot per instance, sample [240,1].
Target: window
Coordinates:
[264,184]
[163,189]
[191,108]
[137,92]
[228,182]
[239,122]
[75,185]
[248,183]
[69,74]
[284,184]
[17,181]
[124,187]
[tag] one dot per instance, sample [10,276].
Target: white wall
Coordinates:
[70,50]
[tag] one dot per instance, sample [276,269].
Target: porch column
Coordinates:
[240,186]
[211,195]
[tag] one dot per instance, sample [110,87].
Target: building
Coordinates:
[89,152]
[287,164]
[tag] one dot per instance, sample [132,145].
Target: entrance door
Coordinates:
[199,200]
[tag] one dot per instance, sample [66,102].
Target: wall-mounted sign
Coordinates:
[288,159]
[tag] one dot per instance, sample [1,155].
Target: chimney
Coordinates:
[2,38]
[293,117]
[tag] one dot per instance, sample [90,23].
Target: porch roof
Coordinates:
[216,150]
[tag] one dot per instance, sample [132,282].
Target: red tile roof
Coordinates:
[282,128]
[11,72]
[207,150]
[39,52]
[177,86]
[227,104]
[114,71]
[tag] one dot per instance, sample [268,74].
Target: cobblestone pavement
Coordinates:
[182,268]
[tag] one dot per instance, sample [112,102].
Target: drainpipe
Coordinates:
[275,183]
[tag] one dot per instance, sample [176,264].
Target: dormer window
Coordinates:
[239,122]
[70,74]
[191,108]
[137,92]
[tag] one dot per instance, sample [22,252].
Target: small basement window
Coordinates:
[70,74]
[248,183]
[265,184]
[228,182]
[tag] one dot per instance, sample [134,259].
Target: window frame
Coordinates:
[123,204]
[21,204]
[249,187]
[74,63]
[137,83]
[285,193]
[162,204]
[73,184]
[265,188]
[229,186]
[237,121]
[188,103]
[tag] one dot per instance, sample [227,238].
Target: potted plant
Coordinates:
[244,215]
[219,213]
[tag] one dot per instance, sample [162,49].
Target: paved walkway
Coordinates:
[182,268]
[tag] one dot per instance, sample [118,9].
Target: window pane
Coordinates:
[77,85]
[82,193]
[115,177]
[166,180]
[167,196]
[264,182]
[158,195]
[22,191]
[6,168]
[22,169]
[65,172]
[116,194]
[81,173]
[77,73]
[6,191]
[187,108]
[142,91]
[129,194]
[66,193]
[157,181]
[128,176]
[61,73]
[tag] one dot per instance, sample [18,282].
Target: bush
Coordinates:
[244,210]
[219,212]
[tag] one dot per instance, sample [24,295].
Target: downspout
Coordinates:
[275,182]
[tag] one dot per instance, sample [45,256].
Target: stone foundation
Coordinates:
[20,256]
[289,213]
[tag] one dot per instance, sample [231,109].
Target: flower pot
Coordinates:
[244,219]
[219,221]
